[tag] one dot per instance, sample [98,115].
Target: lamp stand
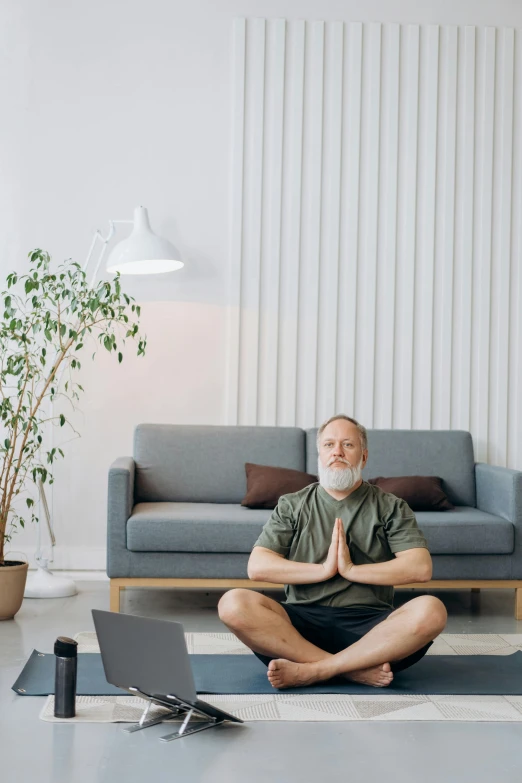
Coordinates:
[43,583]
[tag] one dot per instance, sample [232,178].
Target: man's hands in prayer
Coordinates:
[338,560]
[344,559]
[330,565]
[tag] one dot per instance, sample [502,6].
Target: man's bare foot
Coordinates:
[378,676]
[287,674]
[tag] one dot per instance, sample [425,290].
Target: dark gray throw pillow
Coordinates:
[421,493]
[266,484]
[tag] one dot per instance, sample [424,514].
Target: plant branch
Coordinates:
[73,307]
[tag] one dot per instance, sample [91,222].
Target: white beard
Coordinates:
[339,479]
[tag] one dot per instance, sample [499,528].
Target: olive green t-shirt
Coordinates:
[377,524]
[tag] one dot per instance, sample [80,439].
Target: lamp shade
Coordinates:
[144,252]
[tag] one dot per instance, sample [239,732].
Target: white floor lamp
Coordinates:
[142,253]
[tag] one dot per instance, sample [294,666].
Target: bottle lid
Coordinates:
[65,647]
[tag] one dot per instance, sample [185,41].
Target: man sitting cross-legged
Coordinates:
[339,546]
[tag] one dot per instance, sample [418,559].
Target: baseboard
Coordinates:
[70,558]
[78,576]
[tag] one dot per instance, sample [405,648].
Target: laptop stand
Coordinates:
[177,709]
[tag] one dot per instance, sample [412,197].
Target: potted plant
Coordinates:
[42,333]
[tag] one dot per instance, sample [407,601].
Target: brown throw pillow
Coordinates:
[421,493]
[266,484]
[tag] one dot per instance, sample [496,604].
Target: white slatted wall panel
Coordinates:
[376,229]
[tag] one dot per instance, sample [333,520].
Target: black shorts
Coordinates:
[335,628]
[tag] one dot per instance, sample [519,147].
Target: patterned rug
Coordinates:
[317,707]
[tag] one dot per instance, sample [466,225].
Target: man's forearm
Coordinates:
[287,572]
[392,572]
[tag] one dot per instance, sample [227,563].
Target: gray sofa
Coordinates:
[175,519]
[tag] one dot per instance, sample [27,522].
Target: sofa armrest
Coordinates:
[120,502]
[499,492]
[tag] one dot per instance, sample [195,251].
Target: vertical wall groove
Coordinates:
[461,316]
[330,222]
[404,332]
[349,229]
[252,220]
[236,227]
[269,290]
[291,224]
[443,354]
[425,227]
[501,243]
[387,230]
[309,279]
[369,202]
[482,255]
[515,342]
[376,228]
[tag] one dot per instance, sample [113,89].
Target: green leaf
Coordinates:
[62,419]
[120,357]
[80,345]
[7,443]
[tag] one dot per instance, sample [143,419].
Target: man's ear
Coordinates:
[365,457]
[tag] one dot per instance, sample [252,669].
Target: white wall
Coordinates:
[110,105]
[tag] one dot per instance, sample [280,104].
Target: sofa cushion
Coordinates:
[266,484]
[210,527]
[421,493]
[444,453]
[466,531]
[194,527]
[205,463]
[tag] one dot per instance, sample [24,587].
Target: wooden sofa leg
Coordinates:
[518,603]
[115,596]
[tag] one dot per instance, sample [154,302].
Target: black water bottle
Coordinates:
[66,651]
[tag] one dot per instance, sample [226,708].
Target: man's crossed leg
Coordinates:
[264,626]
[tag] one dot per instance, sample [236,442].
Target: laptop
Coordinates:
[149,658]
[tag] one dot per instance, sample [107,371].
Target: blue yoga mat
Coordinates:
[214,674]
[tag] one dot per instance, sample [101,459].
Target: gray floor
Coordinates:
[432,752]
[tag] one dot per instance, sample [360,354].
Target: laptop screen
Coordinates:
[144,653]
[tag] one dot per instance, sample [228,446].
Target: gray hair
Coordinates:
[361,430]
